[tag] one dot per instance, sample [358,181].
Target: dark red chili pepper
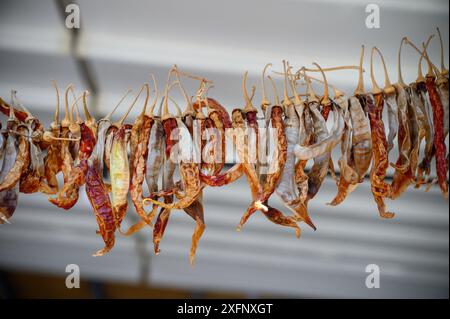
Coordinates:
[100,202]
[439,142]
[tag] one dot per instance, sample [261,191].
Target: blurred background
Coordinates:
[118,44]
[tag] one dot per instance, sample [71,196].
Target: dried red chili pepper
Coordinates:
[9,197]
[12,177]
[419,99]
[439,141]
[119,166]
[403,175]
[286,188]
[141,134]
[380,189]
[68,195]
[100,202]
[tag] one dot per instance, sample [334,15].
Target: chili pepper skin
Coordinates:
[194,209]
[222,121]
[98,154]
[67,197]
[22,161]
[100,202]
[5,109]
[392,107]
[327,143]
[120,175]
[53,163]
[286,188]
[8,203]
[380,189]
[442,85]
[306,137]
[213,163]
[217,107]
[319,169]
[164,214]
[192,186]
[9,197]
[88,141]
[326,109]
[189,173]
[439,140]
[415,135]
[256,188]
[253,135]
[152,171]
[139,164]
[156,156]
[108,145]
[361,139]
[219,125]
[403,175]
[196,212]
[277,217]
[420,97]
[238,169]
[349,178]
[32,179]
[234,173]
[67,159]
[402,179]
[160,227]
[279,160]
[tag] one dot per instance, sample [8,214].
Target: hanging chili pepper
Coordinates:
[9,197]
[21,162]
[119,166]
[380,188]
[67,197]
[286,188]
[438,122]
[139,153]
[100,202]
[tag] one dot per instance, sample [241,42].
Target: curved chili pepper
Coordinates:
[139,161]
[21,163]
[222,120]
[420,100]
[349,178]
[53,163]
[5,109]
[68,195]
[249,170]
[439,141]
[306,137]
[286,187]
[194,209]
[189,173]
[403,175]
[380,189]
[212,150]
[9,197]
[271,179]
[164,214]
[438,117]
[100,202]
[319,169]
[120,175]
[108,145]
[442,85]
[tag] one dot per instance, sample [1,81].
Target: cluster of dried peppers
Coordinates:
[191,144]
